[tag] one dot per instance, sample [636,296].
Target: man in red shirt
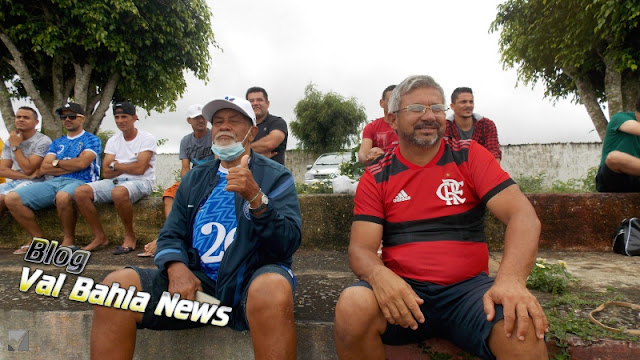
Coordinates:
[425,202]
[378,136]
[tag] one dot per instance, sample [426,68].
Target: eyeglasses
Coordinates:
[71,117]
[436,109]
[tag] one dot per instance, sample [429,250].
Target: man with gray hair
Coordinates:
[425,203]
[231,234]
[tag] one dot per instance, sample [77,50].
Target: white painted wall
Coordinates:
[559,161]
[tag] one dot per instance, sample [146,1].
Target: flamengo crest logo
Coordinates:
[451,192]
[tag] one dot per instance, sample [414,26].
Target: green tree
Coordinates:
[93,52]
[326,122]
[588,50]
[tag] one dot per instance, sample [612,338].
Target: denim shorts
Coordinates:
[156,282]
[43,194]
[16,184]
[454,312]
[137,189]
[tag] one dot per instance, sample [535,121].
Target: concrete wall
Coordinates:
[560,161]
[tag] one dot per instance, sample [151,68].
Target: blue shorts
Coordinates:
[43,194]
[137,189]
[16,184]
[454,312]
[156,282]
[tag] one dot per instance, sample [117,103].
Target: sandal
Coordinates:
[22,250]
[122,250]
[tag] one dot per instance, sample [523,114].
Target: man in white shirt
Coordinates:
[129,174]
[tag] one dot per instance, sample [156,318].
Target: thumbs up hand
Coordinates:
[240,180]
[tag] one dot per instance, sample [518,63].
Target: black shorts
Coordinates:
[454,312]
[609,181]
[156,282]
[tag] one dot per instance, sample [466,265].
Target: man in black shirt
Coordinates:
[271,140]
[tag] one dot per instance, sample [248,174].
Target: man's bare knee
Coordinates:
[83,192]
[12,200]
[280,294]
[504,347]
[63,199]
[357,311]
[120,194]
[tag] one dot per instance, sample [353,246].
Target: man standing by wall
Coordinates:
[378,136]
[72,160]
[271,140]
[22,154]
[128,169]
[620,163]
[466,125]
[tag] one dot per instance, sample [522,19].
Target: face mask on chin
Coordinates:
[229,152]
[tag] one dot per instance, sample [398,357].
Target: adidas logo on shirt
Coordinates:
[402,196]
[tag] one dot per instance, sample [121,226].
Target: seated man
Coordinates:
[378,137]
[128,169]
[195,149]
[464,124]
[620,163]
[425,203]
[72,160]
[233,229]
[22,154]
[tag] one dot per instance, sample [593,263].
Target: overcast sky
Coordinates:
[356,48]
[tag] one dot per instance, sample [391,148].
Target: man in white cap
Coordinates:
[195,149]
[231,234]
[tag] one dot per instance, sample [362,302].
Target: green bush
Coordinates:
[321,187]
[535,184]
[551,278]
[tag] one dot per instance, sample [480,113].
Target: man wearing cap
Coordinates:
[71,161]
[271,140]
[195,149]
[22,154]
[231,234]
[128,169]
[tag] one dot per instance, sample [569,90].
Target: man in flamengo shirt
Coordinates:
[233,228]
[425,202]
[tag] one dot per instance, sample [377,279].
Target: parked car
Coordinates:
[326,167]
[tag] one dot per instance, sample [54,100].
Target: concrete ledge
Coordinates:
[582,222]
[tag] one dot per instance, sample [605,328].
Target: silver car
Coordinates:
[326,167]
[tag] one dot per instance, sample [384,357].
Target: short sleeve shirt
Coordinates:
[128,151]
[196,150]
[381,134]
[38,144]
[620,140]
[66,147]
[432,215]
[270,123]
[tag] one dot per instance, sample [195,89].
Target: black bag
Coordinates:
[626,240]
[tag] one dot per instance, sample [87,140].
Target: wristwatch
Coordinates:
[55,162]
[112,166]
[264,201]
[14,148]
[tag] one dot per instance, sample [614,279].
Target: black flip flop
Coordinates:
[122,250]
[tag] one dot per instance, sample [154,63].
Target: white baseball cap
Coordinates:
[194,111]
[229,102]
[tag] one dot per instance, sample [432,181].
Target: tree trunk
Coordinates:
[49,124]
[612,86]
[94,121]
[83,77]
[5,107]
[590,101]
[630,90]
